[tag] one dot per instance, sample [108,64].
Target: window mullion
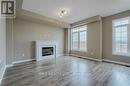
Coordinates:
[72,39]
[121,25]
[128,36]
[114,40]
[79,40]
[121,41]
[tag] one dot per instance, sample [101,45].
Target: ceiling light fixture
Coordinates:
[62,12]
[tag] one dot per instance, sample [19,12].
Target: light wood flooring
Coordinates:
[67,71]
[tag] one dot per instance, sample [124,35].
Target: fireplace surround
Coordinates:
[45,50]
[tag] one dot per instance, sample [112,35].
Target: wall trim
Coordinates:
[34,17]
[66,55]
[2,75]
[102,60]
[86,57]
[10,65]
[4,69]
[86,21]
[116,62]
[58,55]
[21,61]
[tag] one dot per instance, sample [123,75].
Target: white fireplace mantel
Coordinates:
[43,43]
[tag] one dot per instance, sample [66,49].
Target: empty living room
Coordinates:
[64,42]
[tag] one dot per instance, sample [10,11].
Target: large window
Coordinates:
[79,38]
[120,36]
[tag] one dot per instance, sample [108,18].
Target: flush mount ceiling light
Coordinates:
[62,12]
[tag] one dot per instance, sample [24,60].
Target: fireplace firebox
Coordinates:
[46,51]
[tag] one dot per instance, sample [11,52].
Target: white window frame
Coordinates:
[113,37]
[78,49]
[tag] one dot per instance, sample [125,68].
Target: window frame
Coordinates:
[113,37]
[78,49]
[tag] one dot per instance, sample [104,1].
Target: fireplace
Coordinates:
[46,51]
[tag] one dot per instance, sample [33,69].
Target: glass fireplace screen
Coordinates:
[47,51]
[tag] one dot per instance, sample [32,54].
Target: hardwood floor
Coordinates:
[67,71]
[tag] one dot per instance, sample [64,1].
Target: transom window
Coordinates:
[79,38]
[120,36]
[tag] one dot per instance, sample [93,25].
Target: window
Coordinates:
[120,36]
[79,38]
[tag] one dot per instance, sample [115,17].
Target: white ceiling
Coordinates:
[78,9]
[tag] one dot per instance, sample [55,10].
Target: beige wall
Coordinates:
[107,38]
[26,32]
[9,41]
[67,41]
[2,46]
[93,41]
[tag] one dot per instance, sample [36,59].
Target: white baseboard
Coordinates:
[86,57]
[105,60]
[17,62]
[66,54]
[2,75]
[116,62]
[58,55]
[10,65]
